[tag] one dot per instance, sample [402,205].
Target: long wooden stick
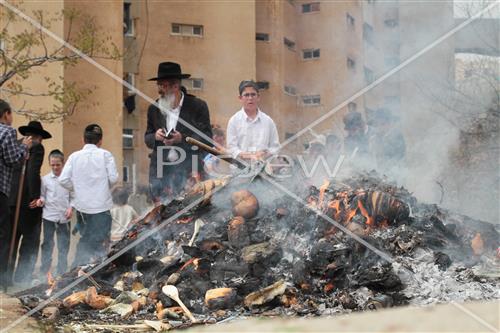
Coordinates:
[215,152]
[16,215]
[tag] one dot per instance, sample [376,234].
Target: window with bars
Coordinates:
[351,63]
[310,7]
[263,85]
[290,90]
[128,22]
[311,100]
[262,36]
[310,54]
[187,30]
[352,107]
[128,138]
[193,83]
[368,33]
[289,43]
[350,20]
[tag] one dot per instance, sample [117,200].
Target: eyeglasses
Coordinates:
[248,95]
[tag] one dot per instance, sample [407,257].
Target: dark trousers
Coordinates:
[50,229]
[28,241]
[95,231]
[5,237]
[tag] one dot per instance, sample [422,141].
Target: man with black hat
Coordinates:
[30,215]
[175,116]
[90,173]
[11,152]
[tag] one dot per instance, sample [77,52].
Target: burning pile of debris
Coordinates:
[356,244]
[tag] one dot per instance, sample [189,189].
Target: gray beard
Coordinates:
[166,104]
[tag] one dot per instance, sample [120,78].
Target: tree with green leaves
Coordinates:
[25,48]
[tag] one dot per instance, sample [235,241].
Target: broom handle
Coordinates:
[16,215]
[215,152]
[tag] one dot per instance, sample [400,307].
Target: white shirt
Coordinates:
[56,199]
[251,135]
[90,172]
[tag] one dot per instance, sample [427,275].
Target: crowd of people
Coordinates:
[30,202]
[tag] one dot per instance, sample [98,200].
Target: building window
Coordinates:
[311,100]
[193,83]
[288,135]
[290,90]
[370,1]
[128,138]
[310,54]
[391,23]
[351,63]
[368,33]
[125,174]
[187,30]
[128,22]
[310,7]
[350,20]
[352,107]
[263,85]
[369,76]
[391,61]
[130,79]
[262,37]
[290,44]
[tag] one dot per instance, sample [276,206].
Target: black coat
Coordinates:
[193,111]
[32,177]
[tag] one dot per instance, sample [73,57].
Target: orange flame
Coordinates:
[52,284]
[322,190]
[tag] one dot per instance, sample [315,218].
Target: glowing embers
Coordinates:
[52,284]
[369,208]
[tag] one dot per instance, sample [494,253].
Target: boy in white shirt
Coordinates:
[57,212]
[90,173]
[122,213]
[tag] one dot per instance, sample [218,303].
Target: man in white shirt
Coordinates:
[90,173]
[57,212]
[251,134]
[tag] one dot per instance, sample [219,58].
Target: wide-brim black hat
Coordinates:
[169,70]
[34,127]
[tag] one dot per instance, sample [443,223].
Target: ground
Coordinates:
[468,317]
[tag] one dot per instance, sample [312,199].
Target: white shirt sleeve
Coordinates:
[43,189]
[274,140]
[66,174]
[111,168]
[232,138]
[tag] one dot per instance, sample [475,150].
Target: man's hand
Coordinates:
[160,135]
[35,203]
[68,213]
[28,141]
[176,136]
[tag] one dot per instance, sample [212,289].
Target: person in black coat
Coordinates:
[172,160]
[30,214]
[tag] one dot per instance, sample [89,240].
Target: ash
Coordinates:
[287,260]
